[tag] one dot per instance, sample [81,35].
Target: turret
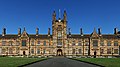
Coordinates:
[4,32]
[48,31]
[81,32]
[99,31]
[53,17]
[115,30]
[65,16]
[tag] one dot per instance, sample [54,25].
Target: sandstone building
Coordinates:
[60,42]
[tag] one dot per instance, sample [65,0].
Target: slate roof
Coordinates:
[9,36]
[105,36]
[78,36]
[40,36]
[110,36]
[45,36]
[30,36]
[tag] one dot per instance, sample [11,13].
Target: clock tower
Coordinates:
[59,31]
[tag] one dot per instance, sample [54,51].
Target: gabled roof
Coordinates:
[94,33]
[24,33]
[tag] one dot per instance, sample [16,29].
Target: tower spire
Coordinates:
[54,16]
[59,14]
[65,16]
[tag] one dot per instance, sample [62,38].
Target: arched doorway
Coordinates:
[59,52]
[23,52]
[95,54]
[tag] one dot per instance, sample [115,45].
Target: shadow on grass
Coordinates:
[86,62]
[33,62]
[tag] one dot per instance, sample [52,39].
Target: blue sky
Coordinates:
[88,14]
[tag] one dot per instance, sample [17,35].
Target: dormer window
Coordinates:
[32,42]
[95,42]
[3,43]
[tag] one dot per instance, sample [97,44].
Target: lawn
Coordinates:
[107,62]
[15,61]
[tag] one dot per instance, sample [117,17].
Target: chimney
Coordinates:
[99,31]
[19,31]
[37,31]
[4,32]
[48,31]
[115,30]
[81,32]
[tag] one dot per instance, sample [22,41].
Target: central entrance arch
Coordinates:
[59,52]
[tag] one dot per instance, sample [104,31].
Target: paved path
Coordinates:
[60,62]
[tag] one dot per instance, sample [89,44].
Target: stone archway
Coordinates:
[95,54]
[59,52]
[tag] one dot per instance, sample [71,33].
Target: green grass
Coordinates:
[15,61]
[107,62]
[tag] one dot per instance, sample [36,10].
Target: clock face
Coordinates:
[59,20]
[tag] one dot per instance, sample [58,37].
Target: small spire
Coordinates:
[94,30]
[64,12]
[24,29]
[37,31]
[81,32]
[19,31]
[54,13]
[48,31]
[54,16]
[69,31]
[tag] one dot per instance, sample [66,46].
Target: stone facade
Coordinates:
[61,42]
